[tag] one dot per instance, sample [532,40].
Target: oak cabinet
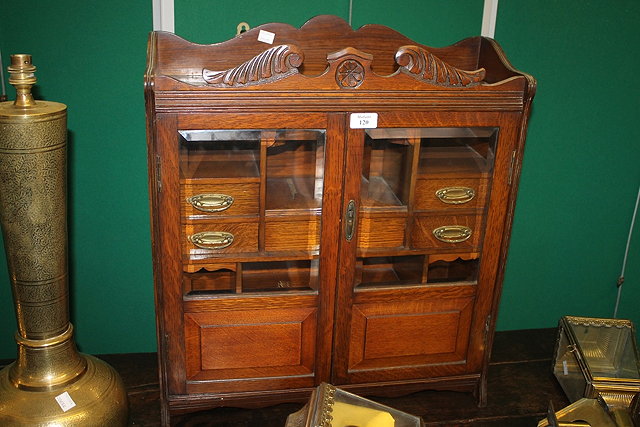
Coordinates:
[334,207]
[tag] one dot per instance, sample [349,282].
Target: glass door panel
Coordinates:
[251,205]
[424,195]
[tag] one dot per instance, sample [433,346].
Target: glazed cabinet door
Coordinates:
[242,208]
[418,274]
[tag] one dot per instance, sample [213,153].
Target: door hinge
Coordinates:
[512,166]
[158,174]
[487,324]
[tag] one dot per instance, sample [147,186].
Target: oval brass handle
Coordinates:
[452,233]
[210,202]
[212,239]
[455,195]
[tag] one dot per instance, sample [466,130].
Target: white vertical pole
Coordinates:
[3,94]
[489,16]
[626,255]
[163,17]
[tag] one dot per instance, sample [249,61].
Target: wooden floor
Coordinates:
[520,387]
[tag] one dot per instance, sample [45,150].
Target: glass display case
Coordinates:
[597,358]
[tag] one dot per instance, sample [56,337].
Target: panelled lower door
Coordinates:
[250,283]
[417,274]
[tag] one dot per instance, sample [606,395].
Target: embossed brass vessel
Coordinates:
[50,383]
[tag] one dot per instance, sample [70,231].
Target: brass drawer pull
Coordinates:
[212,239]
[455,195]
[452,233]
[210,202]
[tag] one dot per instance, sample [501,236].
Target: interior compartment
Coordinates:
[390,270]
[210,155]
[295,165]
[386,172]
[242,277]
[211,280]
[453,268]
[457,151]
[280,275]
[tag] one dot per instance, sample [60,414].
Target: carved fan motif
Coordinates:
[273,64]
[424,65]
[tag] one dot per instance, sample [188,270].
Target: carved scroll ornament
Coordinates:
[273,64]
[423,65]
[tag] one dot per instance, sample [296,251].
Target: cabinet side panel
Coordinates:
[166,214]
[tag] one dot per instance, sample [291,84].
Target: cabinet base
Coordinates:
[182,404]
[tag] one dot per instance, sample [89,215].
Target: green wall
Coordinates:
[582,161]
[579,180]
[91,56]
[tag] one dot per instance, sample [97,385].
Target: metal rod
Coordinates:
[3,96]
[626,255]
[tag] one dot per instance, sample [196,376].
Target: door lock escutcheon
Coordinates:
[350,220]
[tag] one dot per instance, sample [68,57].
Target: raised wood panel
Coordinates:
[241,344]
[427,334]
[409,333]
[245,199]
[242,350]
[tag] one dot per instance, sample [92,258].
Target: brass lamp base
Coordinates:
[98,394]
[50,384]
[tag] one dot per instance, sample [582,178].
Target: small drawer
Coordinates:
[215,200]
[204,238]
[446,231]
[381,230]
[452,193]
[292,233]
